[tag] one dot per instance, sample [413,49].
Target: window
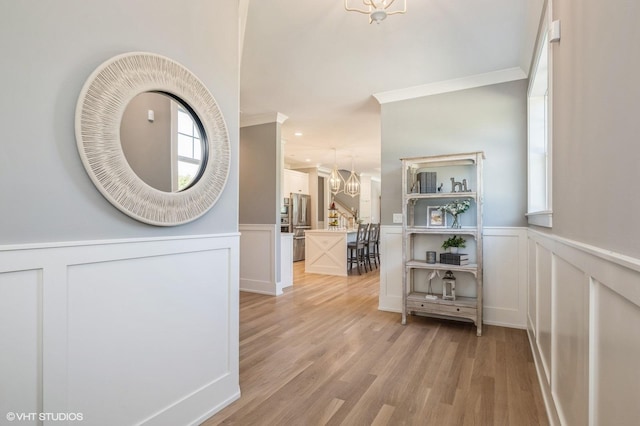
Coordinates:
[539,137]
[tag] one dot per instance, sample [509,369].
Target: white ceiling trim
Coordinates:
[478,80]
[255,120]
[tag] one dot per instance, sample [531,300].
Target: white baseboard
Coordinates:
[234,397]
[552,414]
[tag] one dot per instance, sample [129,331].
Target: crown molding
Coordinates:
[373,176]
[446,86]
[255,120]
[324,171]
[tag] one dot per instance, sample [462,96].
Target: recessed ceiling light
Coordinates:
[308,160]
[298,133]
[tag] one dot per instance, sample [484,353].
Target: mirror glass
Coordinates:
[163,141]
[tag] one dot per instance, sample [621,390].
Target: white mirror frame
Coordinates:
[99,111]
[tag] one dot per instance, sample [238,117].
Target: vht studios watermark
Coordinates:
[50,417]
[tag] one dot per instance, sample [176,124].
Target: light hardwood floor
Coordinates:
[322,353]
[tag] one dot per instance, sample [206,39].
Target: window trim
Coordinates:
[542,217]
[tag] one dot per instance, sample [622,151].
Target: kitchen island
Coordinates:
[326,250]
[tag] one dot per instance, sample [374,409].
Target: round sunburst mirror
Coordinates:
[152,139]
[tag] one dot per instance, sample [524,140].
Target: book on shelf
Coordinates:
[459,259]
[428,182]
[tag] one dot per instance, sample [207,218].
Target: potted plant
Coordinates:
[453,243]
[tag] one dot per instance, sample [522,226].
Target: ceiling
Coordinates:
[320,65]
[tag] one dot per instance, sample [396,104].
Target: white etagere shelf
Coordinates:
[414,235]
[441,195]
[440,231]
[421,264]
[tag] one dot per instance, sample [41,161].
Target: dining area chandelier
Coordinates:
[335,178]
[352,185]
[338,184]
[378,10]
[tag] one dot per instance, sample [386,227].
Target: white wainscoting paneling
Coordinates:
[390,296]
[21,342]
[615,356]
[570,342]
[544,304]
[258,267]
[286,260]
[505,274]
[588,303]
[505,277]
[531,292]
[140,331]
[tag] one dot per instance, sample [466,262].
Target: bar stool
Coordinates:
[373,245]
[356,250]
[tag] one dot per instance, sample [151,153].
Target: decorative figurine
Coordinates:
[430,295]
[456,186]
[440,187]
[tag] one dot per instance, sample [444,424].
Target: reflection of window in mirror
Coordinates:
[187,148]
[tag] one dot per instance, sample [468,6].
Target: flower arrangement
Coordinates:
[455,208]
[455,241]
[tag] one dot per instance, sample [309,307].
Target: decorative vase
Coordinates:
[453,249]
[456,222]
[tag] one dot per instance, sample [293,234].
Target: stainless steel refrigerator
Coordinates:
[299,220]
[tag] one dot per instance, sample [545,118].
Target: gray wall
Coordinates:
[596,154]
[147,145]
[260,149]
[48,51]
[490,119]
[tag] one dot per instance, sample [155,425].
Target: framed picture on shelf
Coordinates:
[436,218]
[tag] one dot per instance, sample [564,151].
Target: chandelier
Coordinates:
[376,9]
[352,185]
[335,179]
[337,184]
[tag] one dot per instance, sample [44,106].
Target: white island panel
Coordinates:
[326,251]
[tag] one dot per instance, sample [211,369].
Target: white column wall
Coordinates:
[260,258]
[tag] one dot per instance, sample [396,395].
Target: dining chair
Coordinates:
[356,250]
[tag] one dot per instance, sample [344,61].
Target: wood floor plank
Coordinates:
[330,411]
[323,354]
[383,416]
